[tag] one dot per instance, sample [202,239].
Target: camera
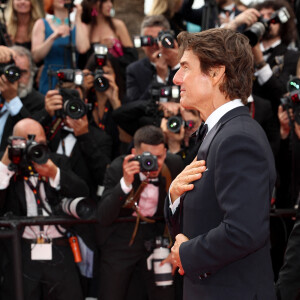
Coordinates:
[293,101]
[166,38]
[148,162]
[11,72]
[258,29]
[164,93]
[101,83]
[21,152]
[175,122]
[70,75]
[79,207]
[73,105]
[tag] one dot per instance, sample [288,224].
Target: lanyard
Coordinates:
[37,196]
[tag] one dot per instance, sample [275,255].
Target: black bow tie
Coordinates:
[64,133]
[154,181]
[268,51]
[201,133]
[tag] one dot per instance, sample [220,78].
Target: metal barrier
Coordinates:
[10,227]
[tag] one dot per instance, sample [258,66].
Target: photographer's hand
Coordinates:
[49,169]
[160,64]
[130,168]
[170,55]
[6,54]
[8,90]
[183,182]
[5,160]
[112,92]
[80,126]
[170,260]
[53,102]
[247,17]
[284,121]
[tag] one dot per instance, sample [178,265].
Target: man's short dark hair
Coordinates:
[288,30]
[150,135]
[223,47]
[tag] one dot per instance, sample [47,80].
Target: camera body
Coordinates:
[258,29]
[148,162]
[292,101]
[166,37]
[11,72]
[22,152]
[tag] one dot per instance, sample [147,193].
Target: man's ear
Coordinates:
[216,74]
[133,151]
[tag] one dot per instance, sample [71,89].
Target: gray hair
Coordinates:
[155,20]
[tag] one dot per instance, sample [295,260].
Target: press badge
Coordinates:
[41,251]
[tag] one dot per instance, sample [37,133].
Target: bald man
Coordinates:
[47,259]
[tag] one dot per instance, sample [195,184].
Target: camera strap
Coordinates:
[132,202]
[37,196]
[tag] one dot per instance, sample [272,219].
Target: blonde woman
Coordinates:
[21,16]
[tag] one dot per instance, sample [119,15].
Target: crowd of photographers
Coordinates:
[106,140]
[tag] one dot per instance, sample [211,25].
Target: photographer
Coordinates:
[105,88]
[126,230]
[274,60]
[49,271]
[18,97]
[159,65]
[178,130]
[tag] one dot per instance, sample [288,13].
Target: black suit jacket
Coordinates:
[33,104]
[226,215]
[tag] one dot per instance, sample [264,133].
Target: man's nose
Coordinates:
[177,79]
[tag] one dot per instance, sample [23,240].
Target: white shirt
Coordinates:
[265,73]
[211,121]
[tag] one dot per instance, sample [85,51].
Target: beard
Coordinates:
[25,89]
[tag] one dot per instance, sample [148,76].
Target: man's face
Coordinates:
[195,87]
[153,31]
[274,30]
[25,83]
[158,150]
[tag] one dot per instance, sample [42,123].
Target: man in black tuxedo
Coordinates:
[121,251]
[157,68]
[49,271]
[219,205]
[19,99]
